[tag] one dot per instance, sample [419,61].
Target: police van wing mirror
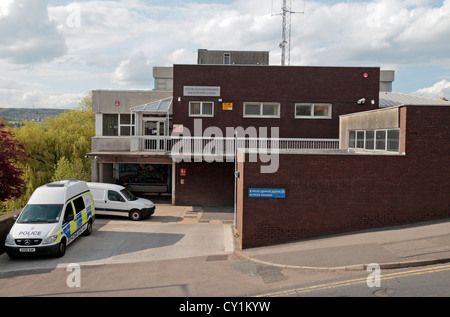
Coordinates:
[15,217]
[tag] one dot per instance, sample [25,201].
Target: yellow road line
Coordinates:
[356,281]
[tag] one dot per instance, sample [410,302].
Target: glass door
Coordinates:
[155,130]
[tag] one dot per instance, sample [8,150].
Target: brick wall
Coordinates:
[205,184]
[329,194]
[340,86]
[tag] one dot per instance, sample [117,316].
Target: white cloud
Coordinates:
[25,94]
[383,31]
[27,34]
[22,98]
[134,71]
[105,44]
[439,90]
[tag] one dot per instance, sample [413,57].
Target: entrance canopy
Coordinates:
[159,107]
[153,116]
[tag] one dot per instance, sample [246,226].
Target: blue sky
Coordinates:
[54,51]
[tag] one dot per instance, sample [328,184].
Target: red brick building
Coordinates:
[329,192]
[300,102]
[341,163]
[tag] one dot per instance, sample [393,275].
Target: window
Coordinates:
[110,125]
[68,216]
[352,139]
[115,196]
[201,109]
[393,140]
[360,139]
[79,204]
[370,140]
[261,110]
[313,111]
[118,124]
[380,142]
[383,140]
[227,59]
[126,124]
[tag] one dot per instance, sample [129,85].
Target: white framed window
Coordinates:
[118,124]
[227,59]
[201,109]
[126,124]
[313,111]
[261,110]
[381,140]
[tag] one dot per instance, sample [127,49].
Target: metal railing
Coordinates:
[225,145]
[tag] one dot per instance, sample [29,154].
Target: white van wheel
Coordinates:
[135,215]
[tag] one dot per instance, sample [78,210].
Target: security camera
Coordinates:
[361,101]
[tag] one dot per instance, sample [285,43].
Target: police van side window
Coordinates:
[68,216]
[79,204]
[87,200]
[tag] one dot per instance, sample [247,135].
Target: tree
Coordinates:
[11,152]
[64,170]
[58,142]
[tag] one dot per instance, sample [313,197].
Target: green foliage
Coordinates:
[11,153]
[57,148]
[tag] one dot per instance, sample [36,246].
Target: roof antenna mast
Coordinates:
[285,45]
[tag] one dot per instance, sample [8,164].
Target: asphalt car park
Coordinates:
[172,232]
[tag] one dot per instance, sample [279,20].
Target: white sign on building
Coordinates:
[201,91]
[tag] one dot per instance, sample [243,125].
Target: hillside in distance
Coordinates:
[29,114]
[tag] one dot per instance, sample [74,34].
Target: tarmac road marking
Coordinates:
[356,281]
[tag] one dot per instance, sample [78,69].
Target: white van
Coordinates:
[55,215]
[116,200]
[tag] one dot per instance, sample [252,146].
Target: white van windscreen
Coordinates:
[40,214]
[128,195]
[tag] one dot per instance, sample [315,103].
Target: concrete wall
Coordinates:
[371,120]
[104,101]
[111,144]
[336,193]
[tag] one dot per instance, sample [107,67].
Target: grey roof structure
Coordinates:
[395,99]
[163,106]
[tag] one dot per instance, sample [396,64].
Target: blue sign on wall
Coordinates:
[267,192]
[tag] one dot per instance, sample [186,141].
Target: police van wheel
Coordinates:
[88,230]
[135,215]
[61,248]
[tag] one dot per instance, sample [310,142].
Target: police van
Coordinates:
[55,215]
[116,200]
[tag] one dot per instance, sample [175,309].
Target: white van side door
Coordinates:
[116,202]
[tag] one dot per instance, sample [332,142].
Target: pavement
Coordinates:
[418,244]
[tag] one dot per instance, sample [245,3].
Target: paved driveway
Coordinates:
[172,232]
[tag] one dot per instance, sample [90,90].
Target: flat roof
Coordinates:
[392,99]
